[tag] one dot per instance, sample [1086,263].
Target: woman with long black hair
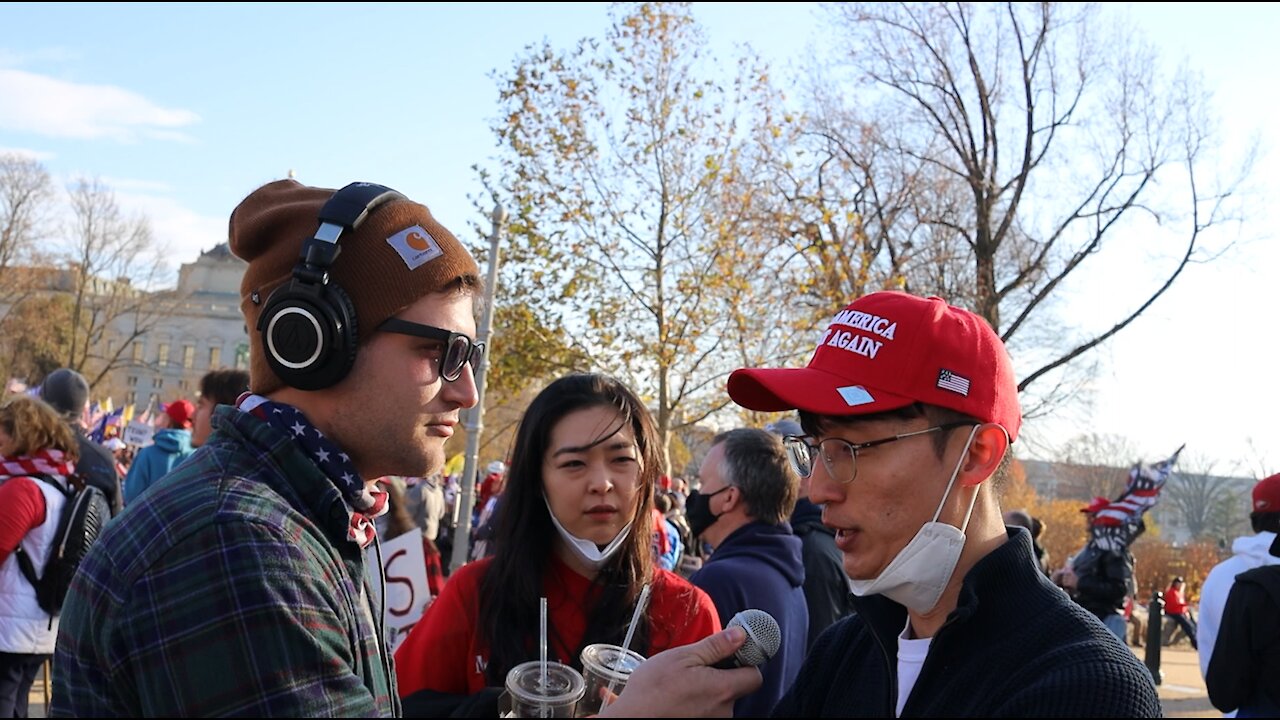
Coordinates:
[574,527]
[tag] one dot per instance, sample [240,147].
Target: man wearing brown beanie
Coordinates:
[237,585]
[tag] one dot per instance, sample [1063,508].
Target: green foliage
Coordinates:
[525,352]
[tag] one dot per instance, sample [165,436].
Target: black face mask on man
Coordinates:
[698,509]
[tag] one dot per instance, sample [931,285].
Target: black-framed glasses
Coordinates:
[458,348]
[840,456]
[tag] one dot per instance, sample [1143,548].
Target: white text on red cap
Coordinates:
[861,345]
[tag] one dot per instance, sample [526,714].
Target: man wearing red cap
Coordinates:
[1229,636]
[170,445]
[908,408]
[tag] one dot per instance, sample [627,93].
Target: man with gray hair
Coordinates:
[747,492]
[66,391]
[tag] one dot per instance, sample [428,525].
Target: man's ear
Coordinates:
[990,443]
[733,499]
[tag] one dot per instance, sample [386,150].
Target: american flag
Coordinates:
[1141,493]
[948,380]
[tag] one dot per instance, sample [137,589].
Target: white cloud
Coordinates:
[57,108]
[181,233]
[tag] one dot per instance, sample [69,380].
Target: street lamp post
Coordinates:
[475,416]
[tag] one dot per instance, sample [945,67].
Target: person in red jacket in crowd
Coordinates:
[38,450]
[574,527]
[1175,606]
[491,485]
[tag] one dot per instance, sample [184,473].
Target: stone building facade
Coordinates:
[204,332]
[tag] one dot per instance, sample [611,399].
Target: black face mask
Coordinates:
[698,509]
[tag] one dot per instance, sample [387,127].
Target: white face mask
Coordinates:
[587,551]
[918,575]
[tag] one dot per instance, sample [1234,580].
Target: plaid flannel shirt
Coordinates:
[230,589]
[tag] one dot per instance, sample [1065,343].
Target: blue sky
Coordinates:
[183,109]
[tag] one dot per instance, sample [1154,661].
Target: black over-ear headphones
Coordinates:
[308,326]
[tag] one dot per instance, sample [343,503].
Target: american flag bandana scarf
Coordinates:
[363,503]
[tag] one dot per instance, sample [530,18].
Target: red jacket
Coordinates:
[444,653]
[1174,602]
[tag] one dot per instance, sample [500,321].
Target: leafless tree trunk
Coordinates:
[115,275]
[26,200]
[1098,463]
[26,197]
[1211,505]
[1017,142]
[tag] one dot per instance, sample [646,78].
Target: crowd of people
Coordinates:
[241,576]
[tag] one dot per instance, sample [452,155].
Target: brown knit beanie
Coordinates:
[384,266]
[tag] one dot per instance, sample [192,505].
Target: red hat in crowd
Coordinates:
[1266,495]
[180,412]
[888,350]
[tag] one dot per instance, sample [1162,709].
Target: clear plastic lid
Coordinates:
[563,685]
[610,661]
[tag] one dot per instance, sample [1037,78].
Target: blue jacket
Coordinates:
[153,462]
[760,566]
[669,560]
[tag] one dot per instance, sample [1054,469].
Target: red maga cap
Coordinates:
[888,350]
[1266,495]
[180,411]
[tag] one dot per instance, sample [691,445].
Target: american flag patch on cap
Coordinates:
[948,380]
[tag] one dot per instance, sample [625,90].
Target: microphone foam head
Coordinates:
[764,637]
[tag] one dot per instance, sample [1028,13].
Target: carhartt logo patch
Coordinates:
[855,395]
[416,246]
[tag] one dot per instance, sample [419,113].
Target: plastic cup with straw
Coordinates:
[542,642]
[542,687]
[641,604]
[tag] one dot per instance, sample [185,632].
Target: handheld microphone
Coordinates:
[764,637]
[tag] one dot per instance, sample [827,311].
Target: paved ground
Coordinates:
[1182,692]
[36,700]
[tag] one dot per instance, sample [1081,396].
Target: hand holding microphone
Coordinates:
[683,681]
[764,637]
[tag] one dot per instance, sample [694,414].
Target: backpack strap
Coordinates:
[27,567]
[74,482]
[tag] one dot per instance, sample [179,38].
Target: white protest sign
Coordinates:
[405,569]
[138,434]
